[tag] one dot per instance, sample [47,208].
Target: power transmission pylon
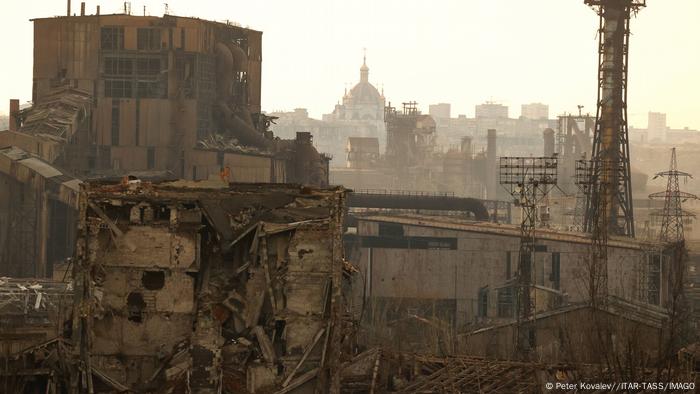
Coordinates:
[529,180]
[672,234]
[610,161]
[673,214]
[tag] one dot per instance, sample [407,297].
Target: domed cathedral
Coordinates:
[363,101]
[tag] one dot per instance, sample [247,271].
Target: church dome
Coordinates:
[364,92]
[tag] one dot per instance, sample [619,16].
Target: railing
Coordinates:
[404,193]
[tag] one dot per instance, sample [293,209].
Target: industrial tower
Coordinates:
[610,185]
[672,214]
[528,180]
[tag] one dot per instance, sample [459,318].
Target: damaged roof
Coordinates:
[231,208]
[56,116]
[24,167]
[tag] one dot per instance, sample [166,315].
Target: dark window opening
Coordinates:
[220,159]
[116,66]
[148,39]
[483,302]
[182,38]
[148,66]
[153,280]
[117,88]
[194,173]
[135,306]
[508,269]
[115,122]
[184,69]
[654,279]
[112,37]
[555,277]
[151,158]
[137,126]
[148,90]
[390,230]
[505,302]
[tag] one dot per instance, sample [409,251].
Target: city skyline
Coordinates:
[446,51]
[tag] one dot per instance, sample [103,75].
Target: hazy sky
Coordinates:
[457,51]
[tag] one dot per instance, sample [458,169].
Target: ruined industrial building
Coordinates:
[161,233]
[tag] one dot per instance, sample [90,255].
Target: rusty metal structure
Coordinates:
[673,215]
[529,180]
[410,141]
[610,175]
[574,136]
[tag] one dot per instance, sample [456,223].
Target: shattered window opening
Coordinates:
[136,305]
[153,280]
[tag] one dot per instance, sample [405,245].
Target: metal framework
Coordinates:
[596,179]
[573,142]
[610,139]
[673,214]
[528,179]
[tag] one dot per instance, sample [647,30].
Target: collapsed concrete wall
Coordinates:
[188,286]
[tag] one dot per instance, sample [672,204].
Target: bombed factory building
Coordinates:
[174,281]
[160,233]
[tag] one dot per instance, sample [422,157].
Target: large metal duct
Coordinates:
[244,132]
[240,59]
[231,59]
[434,203]
[224,71]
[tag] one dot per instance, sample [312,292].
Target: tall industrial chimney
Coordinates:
[82,9]
[68,8]
[14,110]
[548,136]
[491,176]
[98,10]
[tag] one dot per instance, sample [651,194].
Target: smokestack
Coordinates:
[82,9]
[491,175]
[14,110]
[548,136]
[466,147]
[68,8]
[98,10]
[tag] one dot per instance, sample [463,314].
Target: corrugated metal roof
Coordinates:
[40,167]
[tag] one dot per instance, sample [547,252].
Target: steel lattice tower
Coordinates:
[672,214]
[610,180]
[528,180]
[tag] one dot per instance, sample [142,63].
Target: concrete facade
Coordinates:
[462,272]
